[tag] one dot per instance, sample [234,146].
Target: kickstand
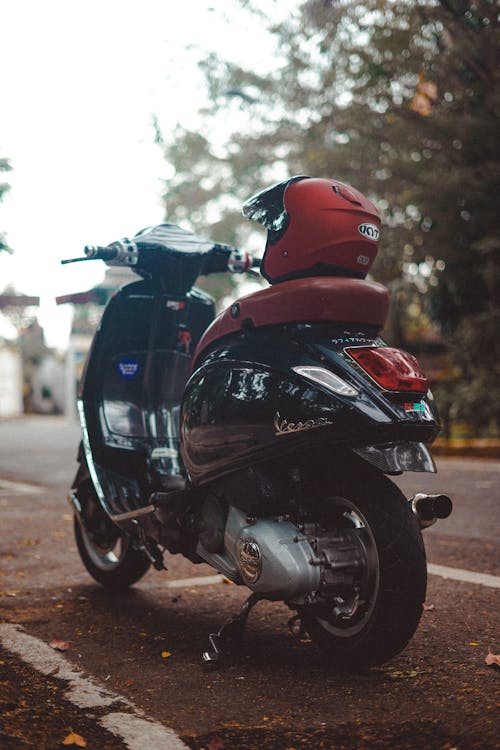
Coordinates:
[229,634]
[298,629]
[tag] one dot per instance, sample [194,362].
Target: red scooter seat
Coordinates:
[321,299]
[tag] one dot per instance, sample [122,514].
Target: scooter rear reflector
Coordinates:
[327,379]
[392,369]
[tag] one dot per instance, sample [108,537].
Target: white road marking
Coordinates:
[140,733]
[83,691]
[181,583]
[457,574]
[135,730]
[19,488]
[467,576]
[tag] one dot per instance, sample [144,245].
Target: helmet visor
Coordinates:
[268,206]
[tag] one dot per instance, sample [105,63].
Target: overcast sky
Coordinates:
[79,83]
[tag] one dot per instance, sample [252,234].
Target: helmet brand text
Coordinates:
[370,231]
[363,260]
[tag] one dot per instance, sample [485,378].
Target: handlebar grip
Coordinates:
[100,253]
[240,261]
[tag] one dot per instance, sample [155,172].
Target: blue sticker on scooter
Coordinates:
[128,368]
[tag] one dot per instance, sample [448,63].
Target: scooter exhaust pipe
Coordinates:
[428,508]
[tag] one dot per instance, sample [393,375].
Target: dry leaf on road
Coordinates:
[492,660]
[59,645]
[74,739]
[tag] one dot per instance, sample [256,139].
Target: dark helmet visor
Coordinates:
[268,207]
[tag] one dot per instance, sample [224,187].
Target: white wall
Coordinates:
[11,383]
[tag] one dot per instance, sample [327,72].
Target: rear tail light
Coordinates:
[390,368]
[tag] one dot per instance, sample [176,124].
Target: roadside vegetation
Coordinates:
[402,100]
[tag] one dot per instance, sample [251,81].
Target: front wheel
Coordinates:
[373,620]
[106,552]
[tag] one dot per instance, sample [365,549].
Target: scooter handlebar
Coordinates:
[95,252]
[240,261]
[224,258]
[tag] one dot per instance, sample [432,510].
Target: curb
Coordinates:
[467,448]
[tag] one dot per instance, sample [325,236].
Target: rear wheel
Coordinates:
[371,621]
[106,552]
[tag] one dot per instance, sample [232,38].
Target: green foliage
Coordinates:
[471,394]
[400,99]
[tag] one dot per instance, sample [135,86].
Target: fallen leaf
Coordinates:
[492,660]
[473,643]
[59,645]
[428,607]
[74,739]
[165,654]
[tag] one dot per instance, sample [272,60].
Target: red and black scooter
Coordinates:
[259,441]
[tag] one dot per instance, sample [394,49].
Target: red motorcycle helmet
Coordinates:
[316,227]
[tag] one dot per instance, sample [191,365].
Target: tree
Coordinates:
[4,188]
[402,99]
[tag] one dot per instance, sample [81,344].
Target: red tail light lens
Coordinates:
[391,368]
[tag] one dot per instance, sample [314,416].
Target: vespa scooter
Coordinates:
[259,441]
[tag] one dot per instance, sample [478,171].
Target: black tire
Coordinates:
[396,583]
[107,553]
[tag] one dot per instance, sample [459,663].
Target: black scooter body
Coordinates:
[159,418]
[244,404]
[131,389]
[254,442]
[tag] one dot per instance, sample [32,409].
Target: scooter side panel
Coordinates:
[235,413]
[245,404]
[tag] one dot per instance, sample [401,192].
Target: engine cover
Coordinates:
[273,557]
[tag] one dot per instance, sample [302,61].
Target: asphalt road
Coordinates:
[277,692]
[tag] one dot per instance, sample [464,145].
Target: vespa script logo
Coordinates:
[370,231]
[284,427]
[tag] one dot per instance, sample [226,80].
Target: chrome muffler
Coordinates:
[428,508]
